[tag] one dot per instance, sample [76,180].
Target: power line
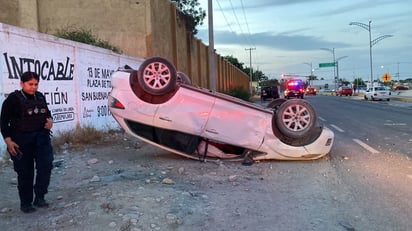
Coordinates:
[238,23]
[247,24]
[224,16]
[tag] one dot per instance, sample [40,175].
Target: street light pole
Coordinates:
[211,49]
[397,73]
[371,42]
[337,66]
[311,71]
[334,63]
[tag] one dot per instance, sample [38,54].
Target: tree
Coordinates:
[234,61]
[193,12]
[344,82]
[358,82]
[270,82]
[256,75]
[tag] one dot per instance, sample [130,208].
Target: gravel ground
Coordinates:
[125,184]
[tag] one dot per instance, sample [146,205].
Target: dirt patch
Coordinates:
[124,184]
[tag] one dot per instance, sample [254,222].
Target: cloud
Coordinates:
[288,41]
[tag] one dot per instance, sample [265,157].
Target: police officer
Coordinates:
[25,126]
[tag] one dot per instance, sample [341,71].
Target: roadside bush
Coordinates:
[85,36]
[240,93]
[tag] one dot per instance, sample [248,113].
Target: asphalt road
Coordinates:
[379,126]
[365,183]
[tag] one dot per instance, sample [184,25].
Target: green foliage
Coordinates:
[234,61]
[359,82]
[194,14]
[270,82]
[85,36]
[239,92]
[256,75]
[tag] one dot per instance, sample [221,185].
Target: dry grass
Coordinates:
[76,139]
[79,137]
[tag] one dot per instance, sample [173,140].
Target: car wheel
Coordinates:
[366,98]
[157,76]
[275,104]
[182,78]
[295,118]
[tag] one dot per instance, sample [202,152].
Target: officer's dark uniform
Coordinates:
[22,118]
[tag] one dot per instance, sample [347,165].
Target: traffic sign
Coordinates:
[386,77]
[326,65]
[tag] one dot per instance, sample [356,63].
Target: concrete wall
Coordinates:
[142,28]
[75,77]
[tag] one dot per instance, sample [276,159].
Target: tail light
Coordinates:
[114,103]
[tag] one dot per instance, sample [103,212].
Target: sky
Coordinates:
[291,37]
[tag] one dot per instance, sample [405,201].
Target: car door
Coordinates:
[187,111]
[235,122]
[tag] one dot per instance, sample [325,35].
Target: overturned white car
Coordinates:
[158,105]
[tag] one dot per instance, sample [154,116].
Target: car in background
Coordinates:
[153,105]
[294,88]
[348,91]
[325,91]
[400,88]
[377,93]
[310,91]
[269,92]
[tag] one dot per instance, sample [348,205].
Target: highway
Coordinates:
[378,126]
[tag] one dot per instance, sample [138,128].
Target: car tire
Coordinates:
[182,78]
[157,76]
[295,118]
[275,104]
[366,98]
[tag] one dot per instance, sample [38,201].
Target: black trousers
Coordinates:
[37,154]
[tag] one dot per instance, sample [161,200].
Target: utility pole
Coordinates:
[250,68]
[334,63]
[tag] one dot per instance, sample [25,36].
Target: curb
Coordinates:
[397,98]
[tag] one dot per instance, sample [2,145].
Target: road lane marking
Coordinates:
[321,118]
[365,146]
[394,124]
[337,128]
